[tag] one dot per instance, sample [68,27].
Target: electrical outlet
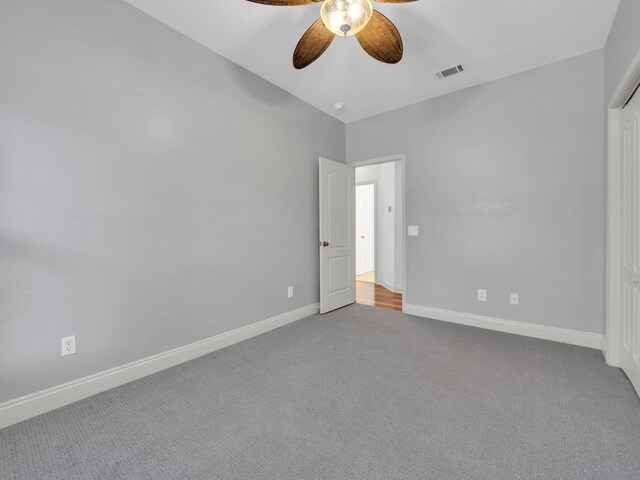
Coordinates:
[413,230]
[290,292]
[68,345]
[482,295]
[513,298]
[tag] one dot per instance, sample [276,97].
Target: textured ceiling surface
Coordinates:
[491,38]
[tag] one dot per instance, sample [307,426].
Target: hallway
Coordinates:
[368,293]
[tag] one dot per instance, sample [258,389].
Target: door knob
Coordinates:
[323,244]
[361,236]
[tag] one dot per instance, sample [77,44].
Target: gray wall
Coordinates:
[505,181]
[152,193]
[622,45]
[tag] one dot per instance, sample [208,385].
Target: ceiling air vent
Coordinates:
[450,71]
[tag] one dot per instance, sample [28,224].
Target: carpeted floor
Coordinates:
[361,393]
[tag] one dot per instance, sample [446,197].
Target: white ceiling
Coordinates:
[491,38]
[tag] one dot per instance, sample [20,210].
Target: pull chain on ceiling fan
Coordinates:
[375,32]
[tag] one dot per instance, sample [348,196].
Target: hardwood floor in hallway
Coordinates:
[377,296]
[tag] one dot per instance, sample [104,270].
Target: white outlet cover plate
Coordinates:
[482,295]
[68,345]
[514,299]
[414,231]
[290,292]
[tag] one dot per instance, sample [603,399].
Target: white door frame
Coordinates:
[627,86]
[401,158]
[375,223]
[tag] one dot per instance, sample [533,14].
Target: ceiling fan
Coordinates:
[375,32]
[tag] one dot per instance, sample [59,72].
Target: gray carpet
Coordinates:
[361,393]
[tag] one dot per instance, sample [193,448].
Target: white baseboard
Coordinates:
[572,337]
[22,408]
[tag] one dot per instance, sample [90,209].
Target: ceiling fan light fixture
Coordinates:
[346,17]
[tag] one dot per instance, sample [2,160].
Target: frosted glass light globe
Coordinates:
[346,17]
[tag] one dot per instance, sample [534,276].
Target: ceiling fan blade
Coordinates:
[381,39]
[312,44]
[285,3]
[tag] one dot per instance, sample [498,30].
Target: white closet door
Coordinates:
[630,348]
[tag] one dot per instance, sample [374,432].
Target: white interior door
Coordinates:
[365,228]
[630,338]
[337,235]
[359,230]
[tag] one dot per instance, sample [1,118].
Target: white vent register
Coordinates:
[450,72]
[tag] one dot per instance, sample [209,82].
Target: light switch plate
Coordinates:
[414,231]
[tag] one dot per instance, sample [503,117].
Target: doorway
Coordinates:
[337,241]
[380,232]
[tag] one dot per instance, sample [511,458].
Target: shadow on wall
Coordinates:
[257,88]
